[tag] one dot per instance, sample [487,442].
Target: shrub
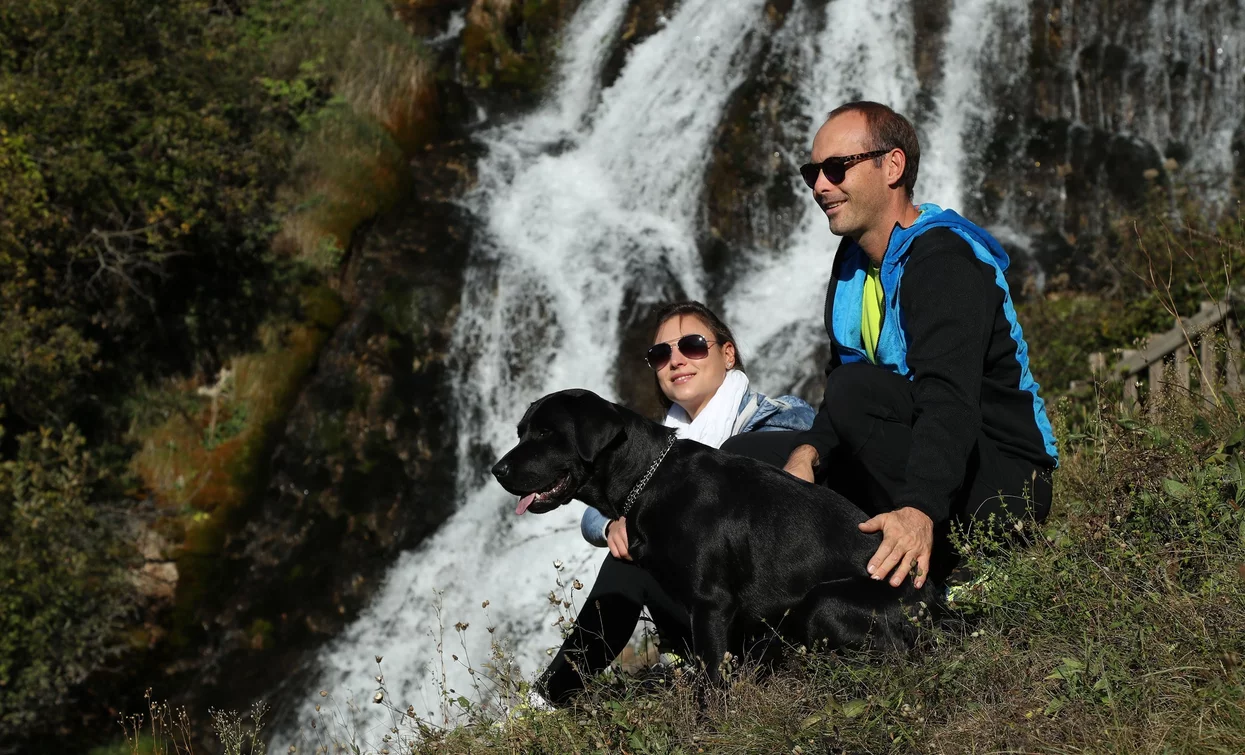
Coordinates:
[63,592]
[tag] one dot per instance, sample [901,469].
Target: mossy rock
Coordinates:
[509,47]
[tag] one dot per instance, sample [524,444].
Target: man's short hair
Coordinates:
[888,130]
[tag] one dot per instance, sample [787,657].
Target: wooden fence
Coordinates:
[1167,362]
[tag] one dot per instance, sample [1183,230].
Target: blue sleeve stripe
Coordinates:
[1027,382]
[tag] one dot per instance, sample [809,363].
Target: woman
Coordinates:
[700,380]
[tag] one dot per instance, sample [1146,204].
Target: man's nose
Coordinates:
[501,469]
[822,185]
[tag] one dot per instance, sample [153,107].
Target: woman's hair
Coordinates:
[717,329]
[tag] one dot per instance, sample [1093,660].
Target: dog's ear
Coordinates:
[597,424]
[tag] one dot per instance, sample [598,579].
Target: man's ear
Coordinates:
[894,165]
[597,424]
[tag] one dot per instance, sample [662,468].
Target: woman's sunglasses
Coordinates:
[835,168]
[691,346]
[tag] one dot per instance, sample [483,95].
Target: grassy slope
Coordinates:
[1118,631]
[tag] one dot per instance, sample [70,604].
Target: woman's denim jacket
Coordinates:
[782,413]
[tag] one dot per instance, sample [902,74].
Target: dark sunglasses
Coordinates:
[835,168]
[691,346]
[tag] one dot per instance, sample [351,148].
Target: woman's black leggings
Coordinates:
[605,624]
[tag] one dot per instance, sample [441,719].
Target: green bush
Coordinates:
[139,161]
[63,591]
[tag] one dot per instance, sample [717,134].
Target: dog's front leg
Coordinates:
[711,634]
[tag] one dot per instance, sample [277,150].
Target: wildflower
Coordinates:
[557,565]
[324,693]
[553,598]
[577,585]
[379,658]
[380,679]
[484,604]
[453,656]
[461,626]
[379,696]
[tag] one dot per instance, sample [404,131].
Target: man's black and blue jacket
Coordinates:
[950,327]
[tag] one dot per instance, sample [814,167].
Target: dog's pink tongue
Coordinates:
[524,502]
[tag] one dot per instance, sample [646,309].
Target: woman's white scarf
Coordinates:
[719,419]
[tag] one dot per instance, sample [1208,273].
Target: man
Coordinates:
[930,412]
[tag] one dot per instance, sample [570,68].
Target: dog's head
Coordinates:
[559,438]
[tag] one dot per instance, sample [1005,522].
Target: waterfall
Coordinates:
[595,196]
[775,306]
[596,188]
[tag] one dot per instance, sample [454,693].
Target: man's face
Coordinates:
[858,202]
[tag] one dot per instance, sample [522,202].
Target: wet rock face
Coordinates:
[644,18]
[1118,103]
[509,48]
[748,199]
[1093,109]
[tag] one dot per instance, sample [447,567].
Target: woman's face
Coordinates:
[690,383]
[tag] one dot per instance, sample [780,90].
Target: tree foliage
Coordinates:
[62,597]
[138,159]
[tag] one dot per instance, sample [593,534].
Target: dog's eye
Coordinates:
[537,432]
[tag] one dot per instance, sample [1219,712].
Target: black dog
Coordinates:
[743,545]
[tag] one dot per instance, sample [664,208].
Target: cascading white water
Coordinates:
[1177,109]
[775,306]
[951,144]
[594,190]
[598,191]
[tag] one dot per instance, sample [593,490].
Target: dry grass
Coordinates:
[200,463]
[353,165]
[1117,631]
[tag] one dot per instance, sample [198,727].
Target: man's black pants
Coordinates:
[606,622]
[871,412]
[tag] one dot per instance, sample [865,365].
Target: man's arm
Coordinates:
[948,308]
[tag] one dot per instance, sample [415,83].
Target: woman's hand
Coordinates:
[801,462]
[616,538]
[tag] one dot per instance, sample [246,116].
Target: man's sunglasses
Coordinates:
[835,168]
[691,346]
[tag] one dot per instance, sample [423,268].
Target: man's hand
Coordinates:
[616,538]
[801,462]
[907,541]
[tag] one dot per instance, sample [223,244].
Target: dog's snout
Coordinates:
[501,469]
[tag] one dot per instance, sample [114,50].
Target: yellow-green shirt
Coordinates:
[871,313]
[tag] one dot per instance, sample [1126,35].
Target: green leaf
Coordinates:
[853,708]
[811,721]
[1234,440]
[1177,489]
[1068,669]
